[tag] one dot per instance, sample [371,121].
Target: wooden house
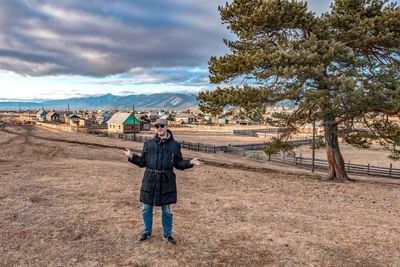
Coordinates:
[308,129]
[41,115]
[72,120]
[208,118]
[221,120]
[123,122]
[185,118]
[84,122]
[102,117]
[144,123]
[53,117]
[152,116]
[88,114]
[167,117]
[200,116]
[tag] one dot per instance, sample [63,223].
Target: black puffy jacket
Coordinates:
[159,180]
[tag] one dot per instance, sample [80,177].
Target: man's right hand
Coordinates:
[127,153]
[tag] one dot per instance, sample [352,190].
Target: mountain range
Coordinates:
[175,101]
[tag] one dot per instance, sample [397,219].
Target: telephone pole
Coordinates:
[313,146]
[134,124]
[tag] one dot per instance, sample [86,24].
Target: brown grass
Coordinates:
[70,204]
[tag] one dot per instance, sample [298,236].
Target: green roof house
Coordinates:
[103,115]
[123,122]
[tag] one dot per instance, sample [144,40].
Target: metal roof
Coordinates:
[123,118]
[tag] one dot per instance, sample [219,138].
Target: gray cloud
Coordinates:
[100,38]
[148,41]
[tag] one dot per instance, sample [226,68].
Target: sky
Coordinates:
[55,49]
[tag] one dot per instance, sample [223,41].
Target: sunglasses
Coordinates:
[159,126]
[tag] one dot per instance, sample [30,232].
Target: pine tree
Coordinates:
[337,68]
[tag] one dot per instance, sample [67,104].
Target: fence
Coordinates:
[323,164]
[256,132]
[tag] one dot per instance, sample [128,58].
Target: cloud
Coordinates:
[169,76]
[85,47]
[101,38]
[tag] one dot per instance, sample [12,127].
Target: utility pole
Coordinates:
[313,146]
[134,124]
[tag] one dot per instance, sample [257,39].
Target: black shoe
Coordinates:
[169,239]
[144,237]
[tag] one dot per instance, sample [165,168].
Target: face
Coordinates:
[161,130]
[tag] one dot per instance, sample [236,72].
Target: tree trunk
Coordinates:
[335,160]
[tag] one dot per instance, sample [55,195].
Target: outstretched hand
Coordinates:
[127,153]
[196,162]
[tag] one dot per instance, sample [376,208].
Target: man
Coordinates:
[159,155]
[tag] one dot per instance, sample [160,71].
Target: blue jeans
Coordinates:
[166,218]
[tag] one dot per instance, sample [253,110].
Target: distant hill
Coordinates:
[109,101]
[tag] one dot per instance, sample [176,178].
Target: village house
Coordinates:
[208,117]
[53,117]
[167,117]
[222,120]
[28,116]
[199,116]
[87,114]
[308,129]
[72,120]
[63,116]
[152,116]
[185,118]
[144,123]
[243,122]
[41,115]
[84,122]
[123,122]
[102,117]
[204,119]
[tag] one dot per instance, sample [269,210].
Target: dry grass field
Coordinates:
[72,200]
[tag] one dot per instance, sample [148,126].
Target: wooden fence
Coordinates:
[323,164]
[255,133]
